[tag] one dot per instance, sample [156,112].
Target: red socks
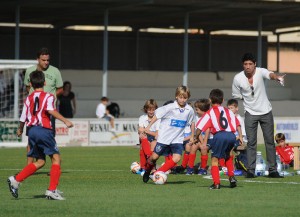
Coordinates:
[146,147]
[222,162]
[192,160]
[167,165]
[229,165]
[215,175]
[185,160]
[204,159]
[26,172]
[143,159]
[54,176]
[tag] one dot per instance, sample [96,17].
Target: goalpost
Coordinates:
[12,88]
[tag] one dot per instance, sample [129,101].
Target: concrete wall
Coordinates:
[130,89]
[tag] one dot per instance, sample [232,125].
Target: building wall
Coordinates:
[130,89]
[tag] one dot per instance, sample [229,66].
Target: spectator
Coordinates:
[67,101]
[102,112]
[285,152]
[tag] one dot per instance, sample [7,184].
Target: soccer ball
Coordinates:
[160,178]
[135,166]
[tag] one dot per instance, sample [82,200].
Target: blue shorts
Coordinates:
[166,150]
[222,144]
[41,142]
[150,138]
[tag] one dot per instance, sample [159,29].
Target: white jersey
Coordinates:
[257,104]
[101,110]
[144,122]
[174,119]
[241,120]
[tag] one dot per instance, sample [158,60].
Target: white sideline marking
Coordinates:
[256,181]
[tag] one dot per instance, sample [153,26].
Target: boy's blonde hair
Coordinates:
[279,137]
[183,91]
[151,103]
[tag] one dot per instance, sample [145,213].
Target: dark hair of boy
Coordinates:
[42,51]
[216,96]
[232,102]
[202,104]
[248,56]
[279,137]
[37,79]
[104,99]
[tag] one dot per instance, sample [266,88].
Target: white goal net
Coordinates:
[12,88]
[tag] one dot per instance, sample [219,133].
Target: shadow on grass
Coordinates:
[46,173]
[179,182]
[38,197]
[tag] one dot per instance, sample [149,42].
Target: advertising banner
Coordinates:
[289,127]
[75,136]
[124,135]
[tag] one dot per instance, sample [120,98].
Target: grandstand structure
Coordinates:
[153,79]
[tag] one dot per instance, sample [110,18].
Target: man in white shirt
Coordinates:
[249,85]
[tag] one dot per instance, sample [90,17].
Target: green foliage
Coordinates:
[96,181]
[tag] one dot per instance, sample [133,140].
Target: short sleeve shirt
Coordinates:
[144,122]
[173,120]
[257,104]
[52,76]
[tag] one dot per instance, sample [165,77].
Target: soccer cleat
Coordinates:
[13,185]
[249,175]
[53,195]
[274,175]
[215,187]
[189,171]
[146,176]
[202,172]
[232,181]
[141,171]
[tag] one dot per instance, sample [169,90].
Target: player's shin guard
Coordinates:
[143,159]
[146,147]
[222,162]
[204,159]
[185,159]
[192,160]
[229,165]
[215,175]
[54,177]
[167,165]
[26,172]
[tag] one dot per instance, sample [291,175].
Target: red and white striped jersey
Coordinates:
[35,109]
[218,118]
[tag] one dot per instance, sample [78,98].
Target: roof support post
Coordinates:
[278,52]
[17,56]
[259,42]
[185,49]
[105,54]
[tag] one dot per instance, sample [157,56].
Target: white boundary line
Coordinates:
[257,181]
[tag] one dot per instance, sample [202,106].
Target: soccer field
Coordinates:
[96,181]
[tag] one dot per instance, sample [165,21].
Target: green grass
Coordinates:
[96,182]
